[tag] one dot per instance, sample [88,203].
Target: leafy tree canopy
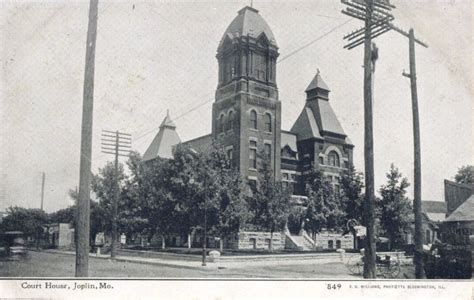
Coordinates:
[323,209]
[396,212]
[352,197]
[465,175]
[27,220]
[270,202]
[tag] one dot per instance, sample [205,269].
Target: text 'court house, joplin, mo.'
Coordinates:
[246,119]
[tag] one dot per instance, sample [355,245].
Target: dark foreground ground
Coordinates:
[41,264]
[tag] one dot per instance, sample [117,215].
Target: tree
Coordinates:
[396,212]
[98,217]
[103,185]
[323,209]
[230,211]
[352,197]
[133,212]
[465,175]
[65,215]
[270,202]
[186,186]
[296,218]
[159,207]
[28,220]
[209,191]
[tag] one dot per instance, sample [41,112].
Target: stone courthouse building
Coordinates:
[246,119]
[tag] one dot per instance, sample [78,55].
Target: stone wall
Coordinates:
[329,240]
[256,240]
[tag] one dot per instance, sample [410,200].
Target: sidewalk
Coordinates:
[236,262]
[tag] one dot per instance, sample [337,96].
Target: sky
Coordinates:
[154,56]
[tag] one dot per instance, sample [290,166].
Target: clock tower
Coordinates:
[246,114]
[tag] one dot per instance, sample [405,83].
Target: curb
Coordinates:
[137,261]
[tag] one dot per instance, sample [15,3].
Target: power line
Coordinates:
[313,41]
[280,60]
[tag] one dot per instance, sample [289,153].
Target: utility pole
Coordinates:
[418,259]
[375,14]
[83,205]
[42,189]
[118,144]
[379,21]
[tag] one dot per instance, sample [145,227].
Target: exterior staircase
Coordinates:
[301,242]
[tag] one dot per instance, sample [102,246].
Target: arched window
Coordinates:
[253,119]
[268,122]
[333,159]
[260,62]
[221,123]
[230,121]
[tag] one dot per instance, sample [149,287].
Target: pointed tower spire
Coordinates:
[165,139]
[317,88]
[167,122]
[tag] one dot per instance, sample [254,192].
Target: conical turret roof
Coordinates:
[248,22]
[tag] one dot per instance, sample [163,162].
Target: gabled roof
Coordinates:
[317,82]
[434,210]
[455,194]
[165,139]
[305,126]
[248,22]
[436,217]
[465,211]
[329,121]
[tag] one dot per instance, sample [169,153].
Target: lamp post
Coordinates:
[204,234]
[204,242]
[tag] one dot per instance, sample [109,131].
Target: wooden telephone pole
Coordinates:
[118,144]
[418,259]
[378,21]
[83,205]
[375,14]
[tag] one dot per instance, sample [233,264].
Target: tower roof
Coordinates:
[167,122]
[318,119]
[316,83]
[248,22]
[165,139]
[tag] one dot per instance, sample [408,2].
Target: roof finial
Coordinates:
[251,3]
[317,73]
[168,112]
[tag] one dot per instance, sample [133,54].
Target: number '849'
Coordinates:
[334,286]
